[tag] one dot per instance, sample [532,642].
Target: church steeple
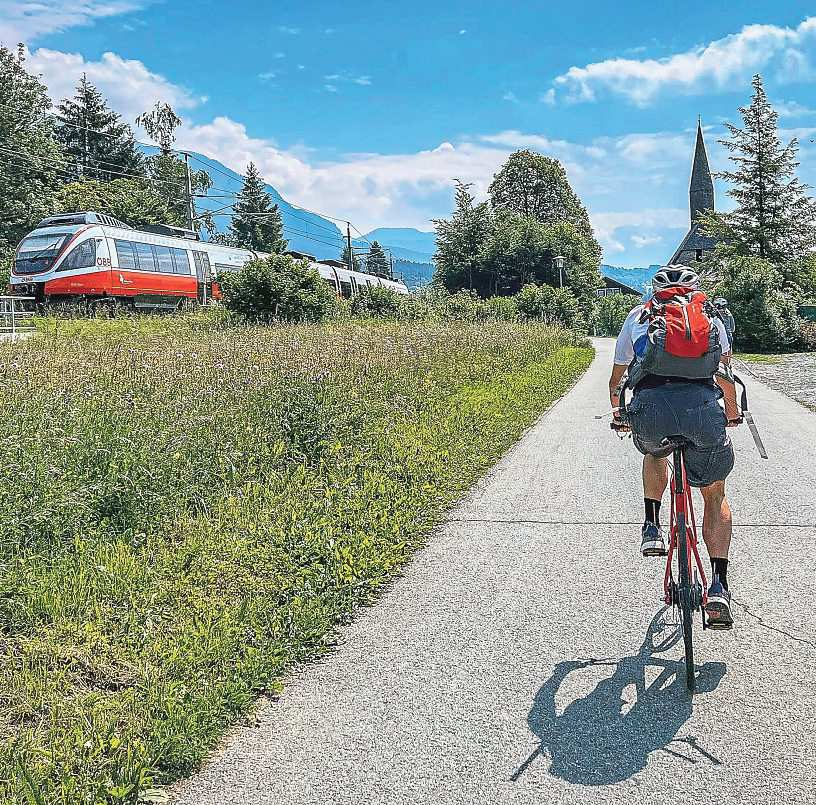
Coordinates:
[701,189]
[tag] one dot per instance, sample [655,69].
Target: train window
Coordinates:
[124,248]
[164,260]
[345,288]
[81,256]
[181,261]
[144,256]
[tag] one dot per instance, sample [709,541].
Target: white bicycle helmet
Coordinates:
[673,276]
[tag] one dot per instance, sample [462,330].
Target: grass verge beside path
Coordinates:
[186,513]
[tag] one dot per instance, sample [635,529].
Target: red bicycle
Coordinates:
[687,591]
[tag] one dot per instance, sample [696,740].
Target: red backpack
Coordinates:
[682,340]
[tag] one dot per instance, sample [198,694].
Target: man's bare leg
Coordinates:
[716,520]
[655,477]
[717,537]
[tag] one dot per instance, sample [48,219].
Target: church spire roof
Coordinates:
[701,188]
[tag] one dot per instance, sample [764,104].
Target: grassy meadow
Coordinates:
[188,509]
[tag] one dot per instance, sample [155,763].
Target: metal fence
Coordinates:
[15,314]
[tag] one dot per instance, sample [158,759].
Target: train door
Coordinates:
[203,275]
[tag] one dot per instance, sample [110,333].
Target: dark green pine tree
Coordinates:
[94,138]
[774,217]
[355,264]
[256,221]
[377,262]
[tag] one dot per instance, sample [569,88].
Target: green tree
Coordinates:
[344,257]
[99,145]
[377,262]
[774,217]
[256,221]
[536,186]
[30,157]
[459,245]
[133,201]
[611,311]
[277,288]
[522,250]
[167,172]
[764,306]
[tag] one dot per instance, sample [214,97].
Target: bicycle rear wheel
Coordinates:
[686,599]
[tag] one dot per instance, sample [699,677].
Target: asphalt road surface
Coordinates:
[524,656]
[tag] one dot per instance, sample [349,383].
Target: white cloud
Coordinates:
[127,84]
[349,78]
[548,97]
[721,64]
[330,88]
[608,224]
[793,109]
[280,55]
[25,20]
[510,97]
[646,240]
[268,76]
[462,31]
[285,29]
[407,189]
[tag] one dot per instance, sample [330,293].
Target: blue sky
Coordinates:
[368,111]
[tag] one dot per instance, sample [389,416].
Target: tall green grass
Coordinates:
[189,509]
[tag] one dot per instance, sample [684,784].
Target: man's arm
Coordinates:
[614,385]
[725,377]
[725,380]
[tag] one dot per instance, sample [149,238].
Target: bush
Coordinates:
[611,311]
[378,302]
[764,306]
[551,305]
[277,288]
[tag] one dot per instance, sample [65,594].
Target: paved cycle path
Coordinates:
[523,657]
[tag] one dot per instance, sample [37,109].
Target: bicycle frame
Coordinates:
[682,512]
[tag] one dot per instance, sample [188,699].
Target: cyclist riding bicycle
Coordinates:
[665,405]
[725,314]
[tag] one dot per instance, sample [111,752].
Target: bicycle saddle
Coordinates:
[674,441]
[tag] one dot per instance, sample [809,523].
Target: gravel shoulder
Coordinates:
[794,375]
[524,656]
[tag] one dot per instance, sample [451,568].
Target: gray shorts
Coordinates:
[691,410]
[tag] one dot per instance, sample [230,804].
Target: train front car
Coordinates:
[93,258]
[62,257]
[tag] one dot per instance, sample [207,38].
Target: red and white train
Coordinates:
[91,257]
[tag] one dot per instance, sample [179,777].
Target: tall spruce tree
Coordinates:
[344,257]
[377,262]
[93,137]
[460,242]
[30,157]
[774,217]
[167,172]
[256,220]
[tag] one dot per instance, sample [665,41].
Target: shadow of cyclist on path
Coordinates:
[593,742]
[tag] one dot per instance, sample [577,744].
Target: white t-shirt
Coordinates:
[633,336]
